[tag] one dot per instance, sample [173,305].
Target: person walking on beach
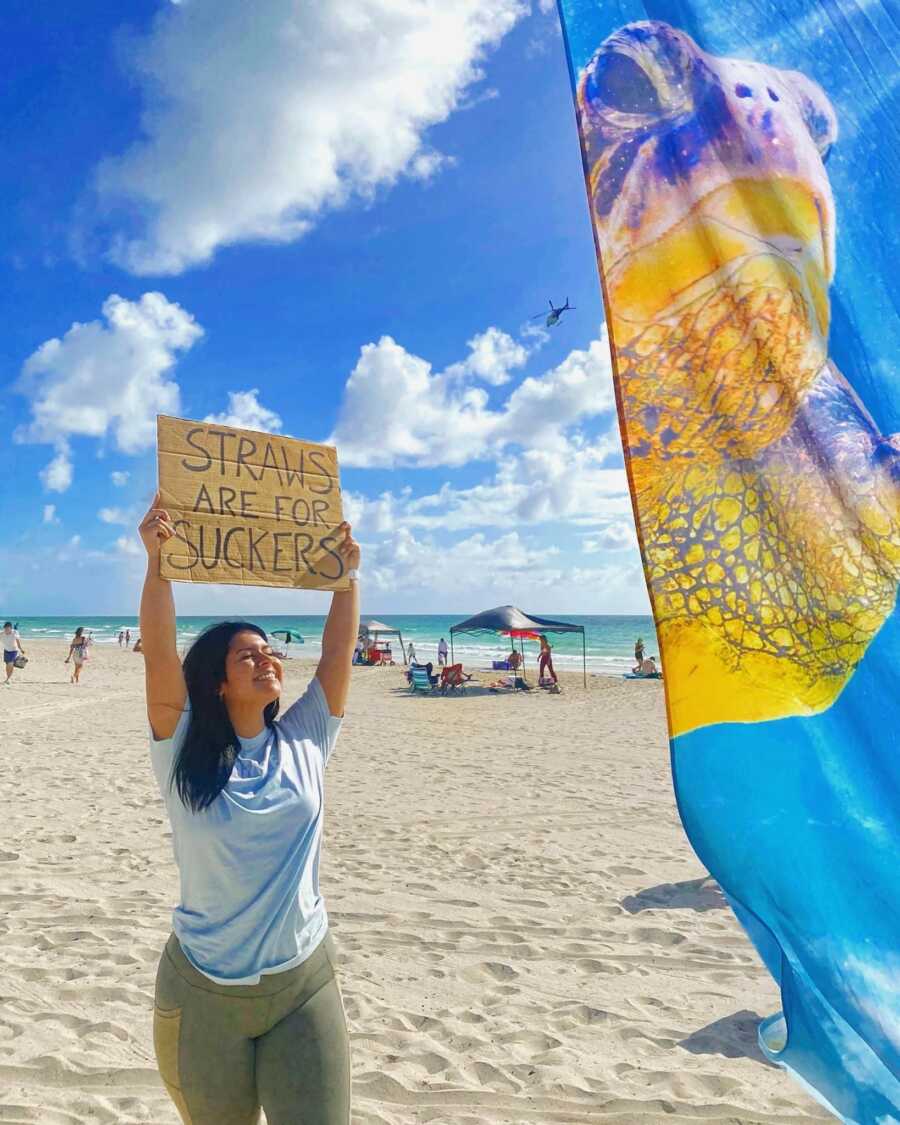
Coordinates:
[545,660]
[412,653]
[78,654]
[127,637]
[442,652]
[247,1010]
[121,637]
[638,654]
[12,647]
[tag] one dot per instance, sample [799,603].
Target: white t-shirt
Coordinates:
[249,863]
[10,640]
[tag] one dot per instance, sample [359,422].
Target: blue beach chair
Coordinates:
[420,680]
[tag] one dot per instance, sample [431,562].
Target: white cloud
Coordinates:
[106,377]
[119,479]
[70,551]
[56,475]
[570,487]
[618,536]
[128,546]
[114,515]
[475,562]
[495,570]
[426,165]
[493,357]
[397,411]
[291,110]
[50,515]
[246,412]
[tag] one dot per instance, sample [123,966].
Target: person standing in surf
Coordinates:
[247,1010]
[12,648]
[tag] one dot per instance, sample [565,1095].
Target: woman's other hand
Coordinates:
[155,528]
[348,548]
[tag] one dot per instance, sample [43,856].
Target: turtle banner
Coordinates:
[742,163]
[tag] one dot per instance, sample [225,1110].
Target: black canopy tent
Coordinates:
[511,620]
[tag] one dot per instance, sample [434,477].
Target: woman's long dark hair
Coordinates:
[210,746]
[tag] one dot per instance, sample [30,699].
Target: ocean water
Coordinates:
[609,641]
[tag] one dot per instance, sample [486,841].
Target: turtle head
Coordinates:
[715,221]
[673,134]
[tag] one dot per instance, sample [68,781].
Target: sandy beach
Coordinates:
[525,934]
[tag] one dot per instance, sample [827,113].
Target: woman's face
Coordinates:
[252,673]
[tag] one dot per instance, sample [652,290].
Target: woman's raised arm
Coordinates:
[166,692]
[341,631]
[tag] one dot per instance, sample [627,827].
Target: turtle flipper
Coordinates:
[771,575]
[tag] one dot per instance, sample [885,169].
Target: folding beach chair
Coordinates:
[420,680]
[453,678]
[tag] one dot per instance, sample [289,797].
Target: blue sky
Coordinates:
[335,229]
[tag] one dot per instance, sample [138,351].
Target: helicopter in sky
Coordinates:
[555,313]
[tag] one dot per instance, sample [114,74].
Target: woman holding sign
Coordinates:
[247,1010]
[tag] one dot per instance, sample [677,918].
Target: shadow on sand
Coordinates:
[693,894]
[733,1036]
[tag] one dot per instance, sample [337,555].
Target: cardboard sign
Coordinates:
[249,508]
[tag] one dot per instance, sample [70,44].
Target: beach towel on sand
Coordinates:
[742,165]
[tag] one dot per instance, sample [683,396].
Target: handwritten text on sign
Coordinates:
[249,508]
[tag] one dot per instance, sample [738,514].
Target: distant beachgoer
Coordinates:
[138,647]
[545,660]
[127,637]
[412,653]
[358,653]
[638,654]
[247,1008]
[78,653]
[648,667]
[12,647]
[514,660]
[442,652]
[121,637]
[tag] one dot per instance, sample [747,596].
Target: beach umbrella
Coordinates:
[510,621]
[289,636]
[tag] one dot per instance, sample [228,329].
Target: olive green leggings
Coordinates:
[225,1050]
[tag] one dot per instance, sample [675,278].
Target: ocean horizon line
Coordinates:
[462,614]
[608,641]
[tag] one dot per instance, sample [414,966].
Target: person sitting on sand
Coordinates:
[12,647]
[247,1010]
[78,651]
[514,661]
[138,647]
[648,667]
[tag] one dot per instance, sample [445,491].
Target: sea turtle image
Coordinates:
[768,501]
